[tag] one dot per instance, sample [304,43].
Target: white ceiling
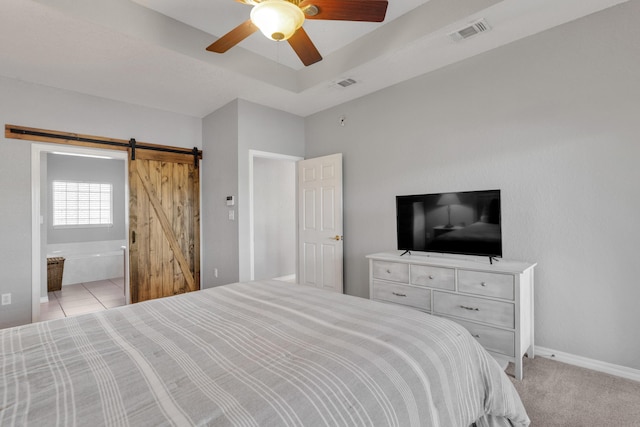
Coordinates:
[152,52]
[219,17]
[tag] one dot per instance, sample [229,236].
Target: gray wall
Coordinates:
[70,168]
[274,206]
[263,129]
[38,106]
[228,135]
[552,121]
[15,229]
[219,180]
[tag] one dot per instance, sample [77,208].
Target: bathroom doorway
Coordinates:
[95,257]
[273,226]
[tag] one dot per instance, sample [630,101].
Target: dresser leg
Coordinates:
[531,352]
[519,369]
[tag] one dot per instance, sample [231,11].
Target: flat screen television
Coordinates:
[466,222]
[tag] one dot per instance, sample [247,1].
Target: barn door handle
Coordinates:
[133,237]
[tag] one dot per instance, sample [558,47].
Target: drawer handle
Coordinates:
[475,335]
[399,294]
[469,308]
[388,271]
[483,284]
[430,277]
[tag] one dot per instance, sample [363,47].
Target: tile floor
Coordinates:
[83,298]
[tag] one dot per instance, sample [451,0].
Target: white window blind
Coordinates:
[82,204]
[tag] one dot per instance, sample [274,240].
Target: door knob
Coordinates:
[336,237]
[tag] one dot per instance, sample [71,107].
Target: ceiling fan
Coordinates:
[282,20]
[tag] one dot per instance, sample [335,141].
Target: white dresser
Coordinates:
[494,302]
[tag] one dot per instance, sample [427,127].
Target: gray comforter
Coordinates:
[252,354]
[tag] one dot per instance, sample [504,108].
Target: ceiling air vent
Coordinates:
[476,27]
[346,82]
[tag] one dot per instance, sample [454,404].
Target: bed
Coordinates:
[264,353]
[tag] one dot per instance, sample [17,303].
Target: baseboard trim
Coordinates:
[44,299]
[584,362]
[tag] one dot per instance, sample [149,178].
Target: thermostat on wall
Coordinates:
[231,200]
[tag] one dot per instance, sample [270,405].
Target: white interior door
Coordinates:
[320,239]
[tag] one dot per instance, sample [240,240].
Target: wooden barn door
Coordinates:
[164,224]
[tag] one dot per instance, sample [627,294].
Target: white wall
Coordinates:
[274,206]
[38,106]
[553,121]
[44,212]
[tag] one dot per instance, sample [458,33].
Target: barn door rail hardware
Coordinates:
[32,134]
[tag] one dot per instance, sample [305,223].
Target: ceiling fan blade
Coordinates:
[233,37]
[345,10]
[304,47]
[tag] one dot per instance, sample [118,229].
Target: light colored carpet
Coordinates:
[558,394]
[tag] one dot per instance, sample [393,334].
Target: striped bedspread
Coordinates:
[252,354]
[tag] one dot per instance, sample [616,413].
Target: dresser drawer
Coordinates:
[433,277]
[478,309]
[395,271]
[488,284]
[493,339]
[402,294]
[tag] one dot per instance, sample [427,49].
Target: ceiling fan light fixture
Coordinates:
[277,19]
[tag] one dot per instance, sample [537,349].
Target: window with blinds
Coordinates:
[82,204]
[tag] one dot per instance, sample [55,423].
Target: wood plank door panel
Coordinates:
[164,226]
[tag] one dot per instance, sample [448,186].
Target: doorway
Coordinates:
[272,215]
[95,290]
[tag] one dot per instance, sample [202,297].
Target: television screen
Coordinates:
[465,222]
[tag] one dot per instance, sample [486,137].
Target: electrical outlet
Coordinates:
[6,299]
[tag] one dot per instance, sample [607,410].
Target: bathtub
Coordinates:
[89,261]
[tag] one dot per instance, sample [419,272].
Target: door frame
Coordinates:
[36,150]
[273,156]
